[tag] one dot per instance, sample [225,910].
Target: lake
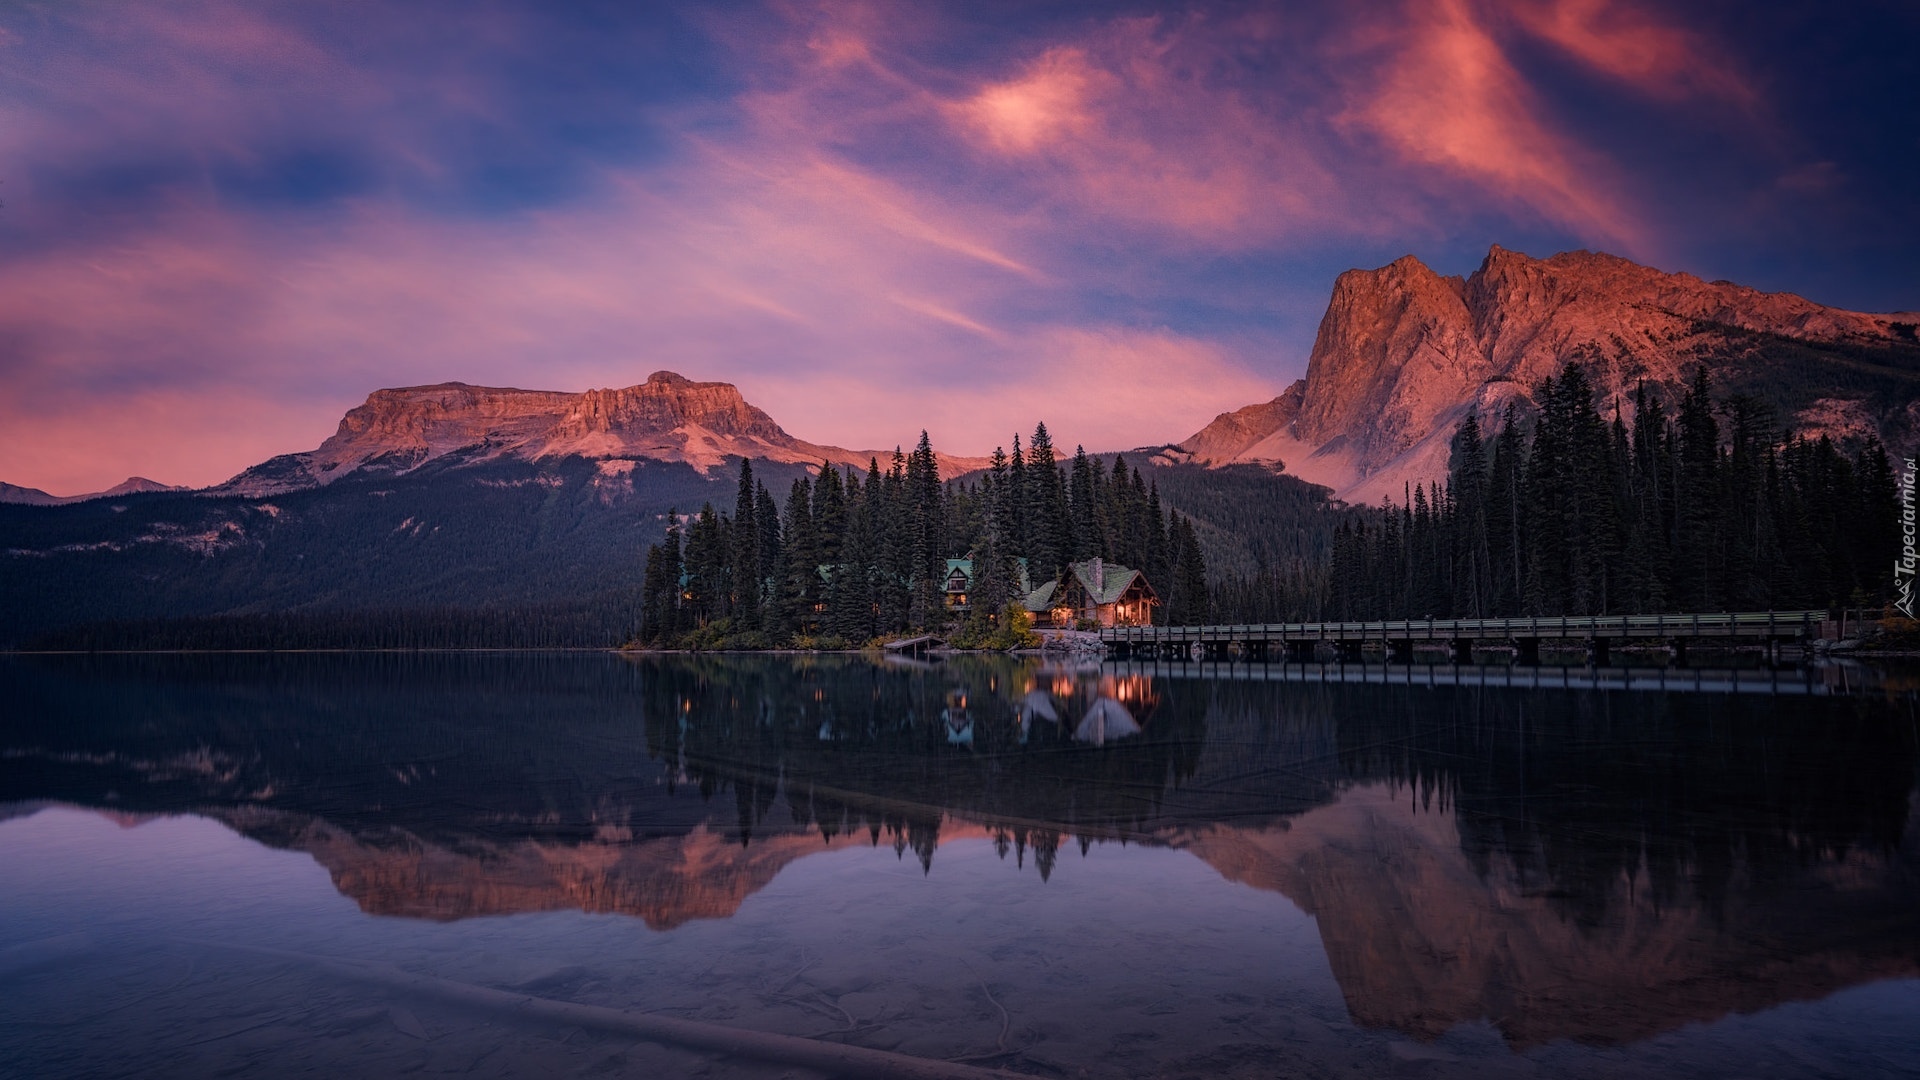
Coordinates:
[487,864]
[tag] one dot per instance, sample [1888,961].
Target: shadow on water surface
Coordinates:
[1574,863]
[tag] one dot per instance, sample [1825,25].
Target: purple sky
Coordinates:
[226,223]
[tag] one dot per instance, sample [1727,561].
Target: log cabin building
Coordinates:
[1095,590]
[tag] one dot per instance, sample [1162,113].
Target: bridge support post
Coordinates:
[1300,652]
[1347,651]
[1679,647]
[1526,650]
[1599,651]
[1462,650]
[1400,651]
[1214,650]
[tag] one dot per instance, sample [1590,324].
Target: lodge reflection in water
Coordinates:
[1595,865]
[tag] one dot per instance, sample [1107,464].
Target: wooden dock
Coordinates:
[1596,633]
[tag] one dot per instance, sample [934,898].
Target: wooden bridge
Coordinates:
[1595,633]
[1798,679]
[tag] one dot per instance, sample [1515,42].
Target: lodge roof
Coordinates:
[1112,581]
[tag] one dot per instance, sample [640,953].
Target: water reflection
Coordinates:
[1597,865]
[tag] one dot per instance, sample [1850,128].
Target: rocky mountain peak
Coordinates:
[669,417]
[1403,353]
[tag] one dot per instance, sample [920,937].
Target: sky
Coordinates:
[224,224]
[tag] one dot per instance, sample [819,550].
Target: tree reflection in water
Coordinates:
[1467,851]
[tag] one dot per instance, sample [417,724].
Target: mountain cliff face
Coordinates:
[667,418]
[1403,354]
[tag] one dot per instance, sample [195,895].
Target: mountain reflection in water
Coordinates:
[1588,865]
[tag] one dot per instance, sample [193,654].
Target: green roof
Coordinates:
[1041,598]
[1114,577]
[1115,580]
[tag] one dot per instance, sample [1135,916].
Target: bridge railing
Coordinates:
[1769,624]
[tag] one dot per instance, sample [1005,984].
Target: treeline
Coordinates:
[849,556]
[1707,507]
[598,622]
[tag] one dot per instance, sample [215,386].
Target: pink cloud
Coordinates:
[1635,46]
[208,333]
[1156,124]
[1148,123]
[1048,102]
[1449,96]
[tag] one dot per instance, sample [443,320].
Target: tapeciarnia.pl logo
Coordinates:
[1903,567]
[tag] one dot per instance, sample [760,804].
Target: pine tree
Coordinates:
[1698,553]
[770,565]
[1473,553]
[1156,561]
[744,602]
[1505,518]
[708,562]
[800,576]
[926,525]
[829,513]
[1019,505]
[1050,528]
[660,588]
[1188,602]
[1083,517]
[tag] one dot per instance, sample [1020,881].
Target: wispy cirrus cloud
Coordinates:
[1450,97]
[1446,88]
[1636,46]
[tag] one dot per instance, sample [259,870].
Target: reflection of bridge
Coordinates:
[1802,680]
[1595,632]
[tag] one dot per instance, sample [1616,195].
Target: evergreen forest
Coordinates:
[850,556]
[1703,504]
[1700,505]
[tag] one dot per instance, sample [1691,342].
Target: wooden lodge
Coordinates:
[1095,591]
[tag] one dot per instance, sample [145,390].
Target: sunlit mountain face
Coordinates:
[1564,865]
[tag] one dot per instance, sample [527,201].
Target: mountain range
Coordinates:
[1402,355]
[132,485]
[474,498]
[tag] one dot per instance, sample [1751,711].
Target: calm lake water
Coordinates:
[1130,870]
